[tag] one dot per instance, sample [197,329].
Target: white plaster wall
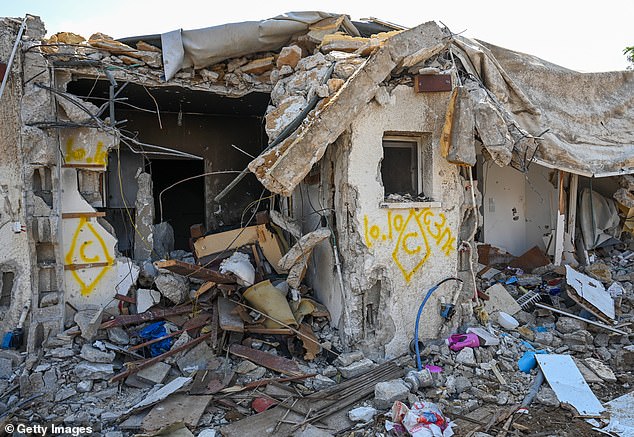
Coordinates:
[541,205]
[534,199]
[404,286]
[85,241]
[504,208]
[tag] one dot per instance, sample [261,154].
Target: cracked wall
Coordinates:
[393,256]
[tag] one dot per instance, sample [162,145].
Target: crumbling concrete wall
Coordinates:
[393,256]
[15,254]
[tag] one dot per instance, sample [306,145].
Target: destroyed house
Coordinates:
[355,165]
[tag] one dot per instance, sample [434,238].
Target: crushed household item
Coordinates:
[240,265]
[422,419]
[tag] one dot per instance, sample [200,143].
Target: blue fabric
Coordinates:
[156,330]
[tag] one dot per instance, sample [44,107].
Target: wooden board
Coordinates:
[228,318]
[329,405]
[195,271]
[179,408]
[224,241]
[265,359]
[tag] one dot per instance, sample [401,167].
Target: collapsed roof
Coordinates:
[525,109]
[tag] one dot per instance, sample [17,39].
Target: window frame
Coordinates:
[419,157]
[425,183]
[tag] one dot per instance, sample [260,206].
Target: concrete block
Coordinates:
[88,370]
[154,374]
[357,368]
[385,393]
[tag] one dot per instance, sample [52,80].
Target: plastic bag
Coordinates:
[423,419]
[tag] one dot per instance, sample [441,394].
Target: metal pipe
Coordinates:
[15,49]
[420,311]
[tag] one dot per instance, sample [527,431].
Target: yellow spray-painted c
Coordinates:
[86,288]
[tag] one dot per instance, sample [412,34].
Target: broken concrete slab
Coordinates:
[6,368]
[289,56]
[118,335]
[500,300]
[146,299]
[348,358]
[284,166]
[195,358]
[89,320]
[173,287]
[88,370]
[94,355]
[357,368]
[598,367]
[385,393]
[154,374]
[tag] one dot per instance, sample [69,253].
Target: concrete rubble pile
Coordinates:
[229,339]
[214,346]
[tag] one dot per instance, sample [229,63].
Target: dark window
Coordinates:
[400,166]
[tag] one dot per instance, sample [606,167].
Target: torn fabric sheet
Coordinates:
[588,115]
[203,47]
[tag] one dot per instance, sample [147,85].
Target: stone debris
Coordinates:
[385,393]
[79,381]
[362,414]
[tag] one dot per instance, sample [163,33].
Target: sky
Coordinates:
[580,35]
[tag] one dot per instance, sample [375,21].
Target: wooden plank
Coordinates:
[222,241]
[572,205]
[228,317]
[229,240]
[86,266]
[83,165]
[194,271]
[73,215]
[180,407]
[147,316]
[259,329]
[328,406]
[265,359]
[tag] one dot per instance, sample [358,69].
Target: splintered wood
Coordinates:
[265,359]
[327,407]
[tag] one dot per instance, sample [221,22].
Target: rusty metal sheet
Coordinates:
[432,83]
[265,359]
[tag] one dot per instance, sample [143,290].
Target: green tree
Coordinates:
[629,54]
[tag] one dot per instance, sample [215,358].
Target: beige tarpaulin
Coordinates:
[589,116]
[202,47]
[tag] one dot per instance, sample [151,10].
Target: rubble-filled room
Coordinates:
[312,226]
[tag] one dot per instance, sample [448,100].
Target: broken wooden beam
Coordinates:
[148,316]
[135,366]
[195,271]
[265,359]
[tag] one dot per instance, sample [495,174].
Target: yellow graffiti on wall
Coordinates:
[413,234]
[80,243]
[79,154]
